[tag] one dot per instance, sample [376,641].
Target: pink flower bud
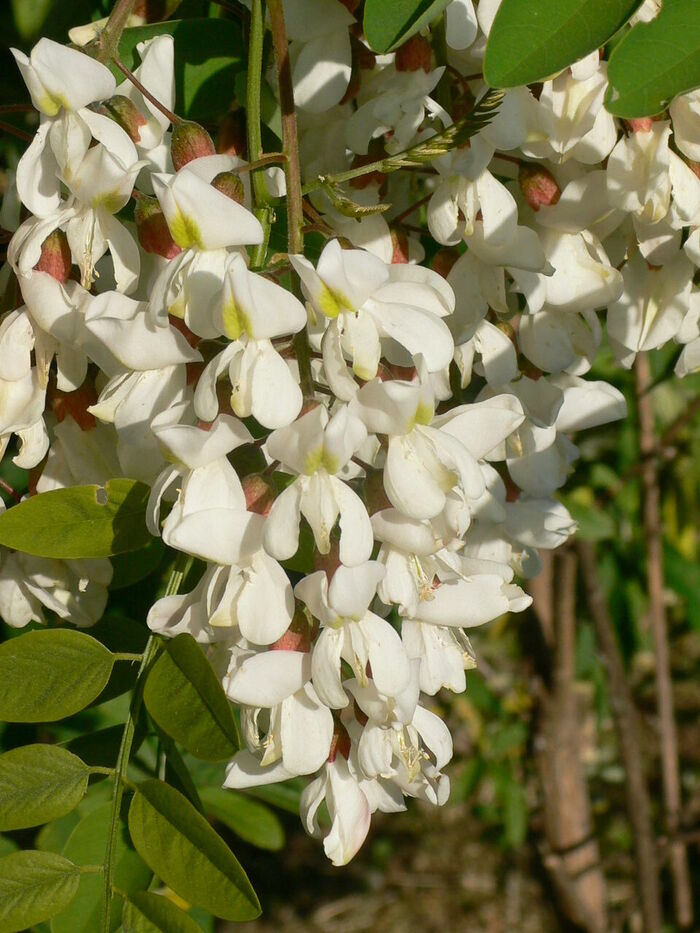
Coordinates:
[152,228]
[299,635]
[74,404]
[399,242]
[414,55]
[231,138]
[230,184]
[640,124]
[538,185]
[56,257]
[443,261]
[259,494]
[125,113]
[340,743]
[190,141]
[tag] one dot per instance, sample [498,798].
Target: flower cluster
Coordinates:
[358,507]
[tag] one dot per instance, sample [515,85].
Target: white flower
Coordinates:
[349,631]
[372,305]
[317,447]
[253,310]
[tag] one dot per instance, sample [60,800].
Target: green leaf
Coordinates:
[131,568]
[208,55]
[149,913]
[285,796]
[533,39]
[655,61]
[187,854]
[54,836]
[39,783]
[30,15]
[7,845]
[252,821]
[186,699]
[79,521]
[33,887]
[87,845]
[389,25]
[50,674]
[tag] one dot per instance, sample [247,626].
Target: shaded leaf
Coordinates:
[655,61]
[79,521]
[252,821]
[50,674]
[39,783]
[150,913]
[128,569]
[33,887]
[187,854]
[208,54]
[186,699]
[388,25]
[531,40]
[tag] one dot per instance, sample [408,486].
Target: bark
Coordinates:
[653,537]
[571,853]
[627,728]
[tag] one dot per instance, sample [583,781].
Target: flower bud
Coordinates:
[375,494]
[231,138]
[126,114]
[640,124]
[329,562]
[538,185]
[74,404]
[259,494]
[413,55]
[230,184]
[399,242]
[190,141]
[155,11]
[375,152]
[340,743]
[300,634]
[56,257]
[443,261]
[152,228]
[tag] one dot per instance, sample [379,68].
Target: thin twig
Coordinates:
[173,117]
[15,131]
[261,196]
[627,729]
[412,208]
[653,538]
[295,212]
[16,108]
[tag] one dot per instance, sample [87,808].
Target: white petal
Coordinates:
[268,678]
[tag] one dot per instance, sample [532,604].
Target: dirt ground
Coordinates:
[430,874]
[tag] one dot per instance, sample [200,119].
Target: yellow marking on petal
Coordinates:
[184,231]
[50,104]
[320,459]
[235,321]
[111,202]
[332,303]
[423,415]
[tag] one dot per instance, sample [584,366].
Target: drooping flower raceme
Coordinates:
[362,450]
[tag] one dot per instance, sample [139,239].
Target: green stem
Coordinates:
[107,43]
[150,651]
[261,197]
[127,656]
[292,173]
[423,153]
